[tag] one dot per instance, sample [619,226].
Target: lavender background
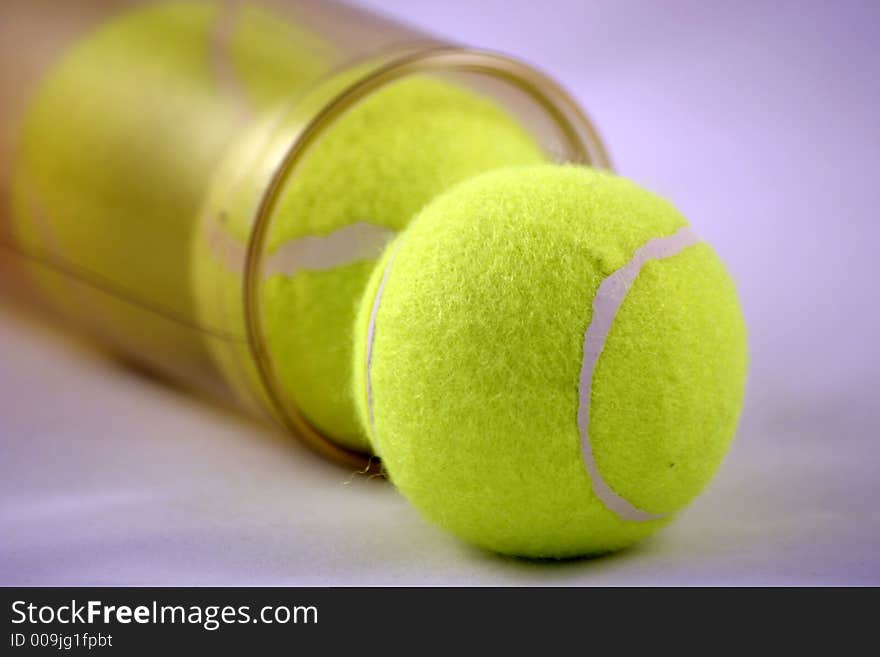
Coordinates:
[760,120]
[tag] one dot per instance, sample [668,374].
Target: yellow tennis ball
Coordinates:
[550,362]
[362,182]
[99,181]
[119,147]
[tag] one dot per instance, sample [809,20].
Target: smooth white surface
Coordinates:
[758,119]
[112,478]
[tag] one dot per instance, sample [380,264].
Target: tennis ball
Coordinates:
[119,146]
[368,175]
[549,362]
[99,183]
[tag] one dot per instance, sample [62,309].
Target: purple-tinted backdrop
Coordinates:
[760,120]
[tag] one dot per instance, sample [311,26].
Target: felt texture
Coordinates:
[99,177]
[118,150]
[383,160]
[478,344]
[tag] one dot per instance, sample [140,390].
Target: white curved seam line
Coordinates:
[606,303]
[371,335]
[219,55]
[348,245]
[353,243]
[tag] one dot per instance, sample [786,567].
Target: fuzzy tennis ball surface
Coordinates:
[550,362]
[363,181]
[120,144]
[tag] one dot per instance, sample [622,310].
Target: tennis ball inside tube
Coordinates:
[120,144]
[550,362]
[361,183]
[100,181]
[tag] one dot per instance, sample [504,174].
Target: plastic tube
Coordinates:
[136,134]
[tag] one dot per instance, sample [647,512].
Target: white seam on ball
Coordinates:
[371,333]
[606,303]
[350,244]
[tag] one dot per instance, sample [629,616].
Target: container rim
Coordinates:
[581,143]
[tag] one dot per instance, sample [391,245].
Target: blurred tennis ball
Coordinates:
[365,177]
[120,144]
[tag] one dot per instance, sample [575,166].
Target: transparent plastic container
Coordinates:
[164,119]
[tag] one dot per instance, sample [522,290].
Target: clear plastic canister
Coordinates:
[145,148]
